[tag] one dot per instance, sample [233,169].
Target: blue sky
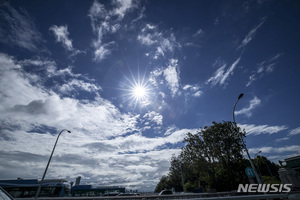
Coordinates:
[76,65]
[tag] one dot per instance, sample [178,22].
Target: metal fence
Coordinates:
[202,196]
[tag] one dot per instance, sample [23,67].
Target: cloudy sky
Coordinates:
[131,78]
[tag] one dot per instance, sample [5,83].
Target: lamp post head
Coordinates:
[69,131]
[241,95]
[257,153]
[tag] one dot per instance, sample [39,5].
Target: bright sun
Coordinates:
[139,92]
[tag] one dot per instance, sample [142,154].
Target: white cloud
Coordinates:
[50,68]
[134,160]
[100,22]
[186,87]
[102,51]
[147,39]
[171,75]
[79,84]
[168,44]
[19,29]
[277,150]
[149,26]
[97,12]
[263,68]
[154,117]
[295,131]
[168,76]
[105,23]
[220,76]
[252,129]
[168,79]
[194,90]
[248,111]
[282,139]
[153,76]
[52,71]
[104,144]
[96,164]
[178,135]
[36,62]
[198,33]
[34,100]
[162,42]
[21,87]
[122,7]
[249,37]
[62,35]
[198,93]
[135,143]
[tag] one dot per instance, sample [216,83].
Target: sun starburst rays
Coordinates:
[137,92]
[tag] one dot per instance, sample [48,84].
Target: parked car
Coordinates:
[4,195]
[166,192]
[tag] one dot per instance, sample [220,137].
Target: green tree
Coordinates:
[211,158]
[175,173]
[189,187]
[215,153]
[267,169]
[164,183]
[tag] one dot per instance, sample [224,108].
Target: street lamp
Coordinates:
[240,96]
[257,154]
[182,180]
[41,183]
[250,160]
[266,163]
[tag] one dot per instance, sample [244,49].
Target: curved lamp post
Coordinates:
[41,183]
[259,181]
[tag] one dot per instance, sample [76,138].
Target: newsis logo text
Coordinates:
[265,188]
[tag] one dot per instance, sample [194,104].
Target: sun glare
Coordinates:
[139,92]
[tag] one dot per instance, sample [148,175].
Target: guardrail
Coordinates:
[201,196]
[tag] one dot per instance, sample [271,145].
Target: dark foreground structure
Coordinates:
[20,188]
[89,190]
[54,188]
[290,173]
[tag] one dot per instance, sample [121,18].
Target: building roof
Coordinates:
[293,162]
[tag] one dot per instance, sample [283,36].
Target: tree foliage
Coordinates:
[164,183]
[267,169]
[211,158]
[216,154]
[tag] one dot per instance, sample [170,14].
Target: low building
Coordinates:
[290,173]
[89,190]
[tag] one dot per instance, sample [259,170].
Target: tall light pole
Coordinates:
[259,181]
[41,183]
[182,180]
[255,156]
[266,163]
